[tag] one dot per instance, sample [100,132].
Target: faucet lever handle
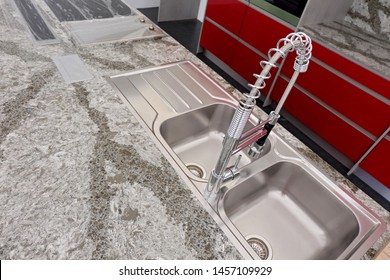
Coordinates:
[232,171]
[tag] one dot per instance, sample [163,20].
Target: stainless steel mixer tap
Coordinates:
[235,140]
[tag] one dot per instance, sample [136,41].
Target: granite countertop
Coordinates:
[363,35]
[79,177]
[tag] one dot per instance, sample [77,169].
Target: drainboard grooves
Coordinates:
[179,88]
[149,92]
[184,83]
[210,86]
[165,92]
[201,93]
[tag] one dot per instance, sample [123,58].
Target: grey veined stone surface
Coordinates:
[79,176]
[373,16]
[363,35]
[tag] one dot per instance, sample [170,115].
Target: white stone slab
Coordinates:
[72,68]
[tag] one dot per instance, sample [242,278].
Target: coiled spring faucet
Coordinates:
[255,138]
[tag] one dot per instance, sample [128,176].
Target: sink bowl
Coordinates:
[196,138]
[295,214]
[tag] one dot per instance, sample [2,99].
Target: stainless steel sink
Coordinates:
[281,206]
[196,138]
[298,214]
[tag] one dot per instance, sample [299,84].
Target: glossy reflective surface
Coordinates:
[294,212]
[280,200]
[196,137]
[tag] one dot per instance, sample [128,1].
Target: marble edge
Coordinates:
[345,53]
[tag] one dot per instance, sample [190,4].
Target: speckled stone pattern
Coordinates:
[363,35]
[79,177]
[370,51]
[373,16]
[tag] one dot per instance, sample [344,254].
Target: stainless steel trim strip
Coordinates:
[342,54]
[333,111]
[253,48]
[222,28]
[352,81]
[369,151]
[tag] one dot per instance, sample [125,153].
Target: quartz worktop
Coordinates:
[79,177]
[362,36]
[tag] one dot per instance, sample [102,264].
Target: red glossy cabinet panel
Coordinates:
[377,162]
[356,72]
[357,105]
[349,141]
[228,13]
[218,42]
[261,31]
[246,62]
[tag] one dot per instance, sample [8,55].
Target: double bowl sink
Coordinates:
[280,206]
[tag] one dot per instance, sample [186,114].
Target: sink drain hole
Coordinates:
[260,246]
[197,170]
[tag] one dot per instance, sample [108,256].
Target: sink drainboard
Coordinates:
[186,112]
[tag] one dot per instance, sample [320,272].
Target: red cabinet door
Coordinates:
[365,77]
[345,138]
[368,112]
[246,62]
[377,163]
[227,13]
[217,41]
[261,31]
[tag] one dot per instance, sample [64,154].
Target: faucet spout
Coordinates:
[255,138]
